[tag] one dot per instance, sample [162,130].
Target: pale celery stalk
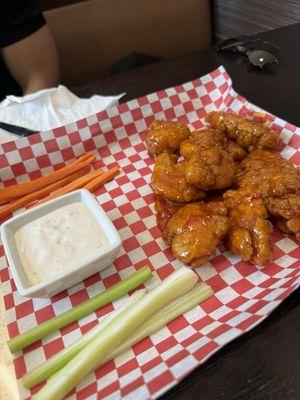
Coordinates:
[118,330]
[87,307]
[152,325]
[43,371]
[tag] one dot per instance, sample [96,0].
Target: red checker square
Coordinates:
[170,113]
[295,142]
[34,139]
[228,316]
[128,168]
[116,121]
[122,262]
[164,271]
[242,286]
[176,358]
[295,158]
[144,212]
[116,192]
[79,297]
[108,390]
[217,283]
[271,269]
[237,302]
[3,161]
[177,324]
[190,340]
[82,123]
[155,232]
[127,367]
[59,296]
[130,244]
[162,94]
[137,114]
[61,131]
[211,304]
[9,301]
[120,155]
[24,309]
[132,386]
[162,380]
[257,306]
[94,129]
[218,331]
[9,146]
[277,252]
[205,99]
[139,182]
[192,94]
[156,107]
[220,263]
[151,248]
[205,350]
[13,329]
[111,280]
[13,285]
[32,346]
[125,143]
[110,137]
[20,367]
[89,145]
[188,107]
[126,208]
[245,269]
[166,344]
[85,328]
[268,282]
[202,322]
[109,205]
[18,169]
[74,138]
[26,153]
[120,223]
[43,161]
[122,180]
[214,74]
[68,154]
[210,86]
[87,391]
[104,310]
[134,158]
[69,328]
[104,152]
[142,346]
[91,280]
[44,314]
[105,369]
[51,145]
[175,100]
[248,322]
[218,102]
[264,293]
[53,347]
[151,364]
[145,171]
[130,129]
[4,274]
[138,227]
[295,253]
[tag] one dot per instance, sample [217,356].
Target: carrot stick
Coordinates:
[22,189]
[77,184]
[107,176]
[27,199]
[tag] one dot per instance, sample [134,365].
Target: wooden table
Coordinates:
[265,363]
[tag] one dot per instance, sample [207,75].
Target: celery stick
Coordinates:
[59,360]
[118,330]
[80,311]
[152,325]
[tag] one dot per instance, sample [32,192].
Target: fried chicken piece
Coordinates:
[165,136]
[195,230]
[164,211]
[268,174]
[208,164]
[286,209]
[246,133]
[168,179]
[249,231]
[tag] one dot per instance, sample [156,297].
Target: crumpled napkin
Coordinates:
[51,108]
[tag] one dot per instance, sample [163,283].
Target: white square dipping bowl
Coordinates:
[63,280]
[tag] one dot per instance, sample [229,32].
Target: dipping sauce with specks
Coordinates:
[59,241]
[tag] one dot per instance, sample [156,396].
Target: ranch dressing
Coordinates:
[59,241]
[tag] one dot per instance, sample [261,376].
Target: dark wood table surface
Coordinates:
[263,364]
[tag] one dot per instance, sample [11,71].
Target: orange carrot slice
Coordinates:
[107,176]
[77,184]
[29,198]
[15,191]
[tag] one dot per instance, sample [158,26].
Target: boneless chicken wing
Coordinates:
[208,163]
[286,210]
[195,230]
[244,132]
[249,231]
[268,174]
[165,136]
[169,180]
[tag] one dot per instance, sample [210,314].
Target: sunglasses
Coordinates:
[259,52]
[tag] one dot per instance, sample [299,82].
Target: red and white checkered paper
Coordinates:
[244,294]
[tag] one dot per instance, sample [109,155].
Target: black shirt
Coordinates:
[18,19]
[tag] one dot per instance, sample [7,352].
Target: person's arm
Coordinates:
[33,61]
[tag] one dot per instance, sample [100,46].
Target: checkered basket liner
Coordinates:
[244,294]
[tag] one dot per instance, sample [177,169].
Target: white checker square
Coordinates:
[183,366]
[155,372]
[226,295]
[230,275]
